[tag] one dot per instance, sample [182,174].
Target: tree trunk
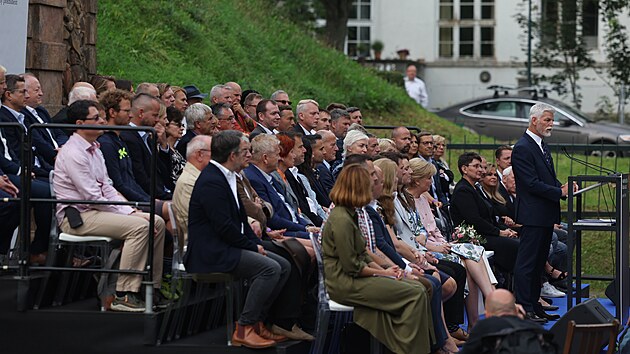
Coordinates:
[337,12]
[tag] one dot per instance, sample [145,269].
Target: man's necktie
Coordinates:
[546,153]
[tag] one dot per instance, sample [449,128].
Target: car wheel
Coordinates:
[601,150]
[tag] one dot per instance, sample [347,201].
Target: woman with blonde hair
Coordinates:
[477,274]
[447,177]
[393,309]
[387,145]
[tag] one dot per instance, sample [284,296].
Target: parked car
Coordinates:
[507,117]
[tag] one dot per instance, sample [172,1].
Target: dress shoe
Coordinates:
[296,333]
[246,336]
[460,335]
[547,300]
[262,331]
[547,316]
[530,316]
[550,308]
[37,259]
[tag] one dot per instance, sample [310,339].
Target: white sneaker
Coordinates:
[549,290]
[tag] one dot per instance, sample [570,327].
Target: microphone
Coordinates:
[600,169]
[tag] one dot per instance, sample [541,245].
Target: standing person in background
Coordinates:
[415,87]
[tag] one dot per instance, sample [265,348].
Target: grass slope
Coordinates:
[208,42]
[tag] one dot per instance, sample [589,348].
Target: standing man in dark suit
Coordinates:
[538,194]
[221,240]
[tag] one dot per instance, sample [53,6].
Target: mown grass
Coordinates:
[210,42]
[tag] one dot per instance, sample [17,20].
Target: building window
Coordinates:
[360,10]
[446,9]
[358,43]
[466,29]
[446,42]
[565,19]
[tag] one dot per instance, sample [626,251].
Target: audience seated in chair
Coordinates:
[80,174]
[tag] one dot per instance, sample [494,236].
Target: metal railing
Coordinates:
[26,156]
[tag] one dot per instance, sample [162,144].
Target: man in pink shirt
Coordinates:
[81,174]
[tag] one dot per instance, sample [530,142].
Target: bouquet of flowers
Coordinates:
[467,234]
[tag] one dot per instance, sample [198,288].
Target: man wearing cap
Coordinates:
[193,95]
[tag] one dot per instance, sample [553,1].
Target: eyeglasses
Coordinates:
[96,119]
[491,175]
[285,102]
[477,165]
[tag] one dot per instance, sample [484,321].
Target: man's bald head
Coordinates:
[402,138]
[500,303]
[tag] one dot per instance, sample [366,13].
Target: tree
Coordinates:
[305,12]
[616,44]
[559,46]
[336,14]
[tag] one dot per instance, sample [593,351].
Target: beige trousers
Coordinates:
[134,230]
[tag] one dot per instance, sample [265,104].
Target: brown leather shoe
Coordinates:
[262,331]
[296,333]
[37,259]
[246,336]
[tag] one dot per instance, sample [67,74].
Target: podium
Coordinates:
[618,225]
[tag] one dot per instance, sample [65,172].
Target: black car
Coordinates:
[507,117]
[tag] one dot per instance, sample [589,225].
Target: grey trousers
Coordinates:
[267,275]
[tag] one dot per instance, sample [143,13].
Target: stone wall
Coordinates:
[61,47]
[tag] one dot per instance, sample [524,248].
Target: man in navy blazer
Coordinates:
[221,240]
[47,141]
[330,154]
[265,156]
[537,207]
[145,109]
[13,101]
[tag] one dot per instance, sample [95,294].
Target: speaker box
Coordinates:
[588,312]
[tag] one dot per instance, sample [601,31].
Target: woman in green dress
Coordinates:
[392,308]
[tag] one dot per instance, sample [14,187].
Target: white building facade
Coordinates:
[468,45]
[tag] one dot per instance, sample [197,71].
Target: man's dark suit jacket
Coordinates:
[298,129]
[509,204]
[141,162]
[383,241]
[120,168]
[13,142]
[258,130]
[323,196]
[301,194]
[182,144]
[215,239]
[281,218]
[468,206]
[41,140]
[326,178]
[538,191]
